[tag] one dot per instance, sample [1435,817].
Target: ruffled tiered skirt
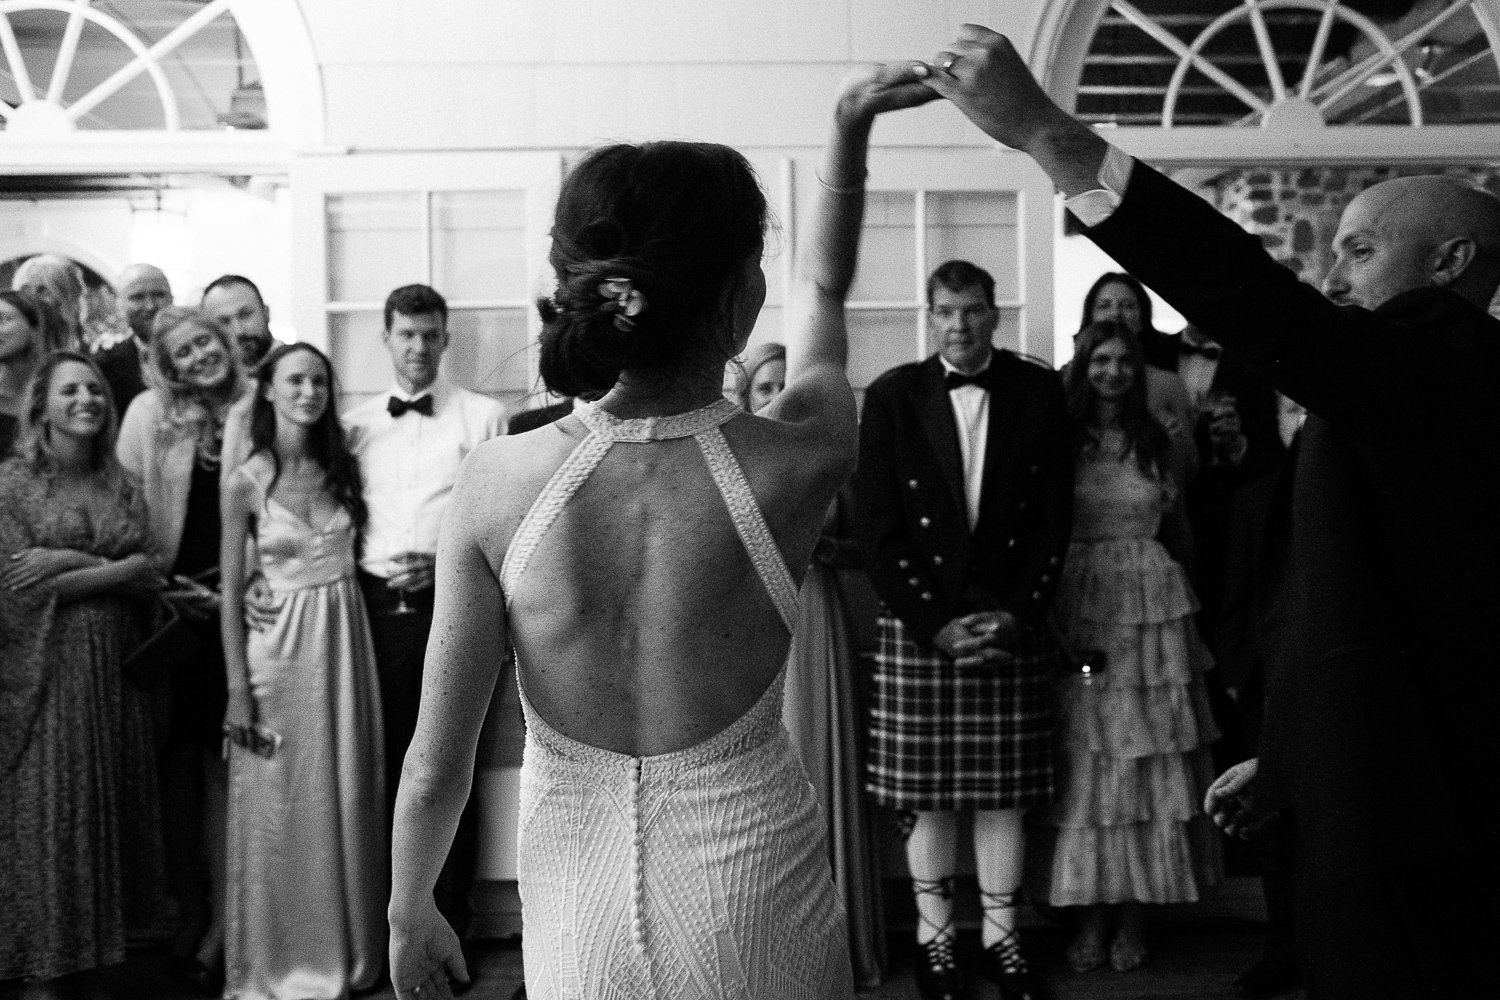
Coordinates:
[1135,735]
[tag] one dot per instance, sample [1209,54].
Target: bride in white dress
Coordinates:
[641,557]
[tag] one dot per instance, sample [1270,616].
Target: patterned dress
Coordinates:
[697,874]
[1136,733]
[79,821]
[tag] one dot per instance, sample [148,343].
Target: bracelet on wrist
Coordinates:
[854,188]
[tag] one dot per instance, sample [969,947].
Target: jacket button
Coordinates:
[926,595]
[1021,505]
[1036,595]
[913,581]
[1010,543]
[1046,578]
[903,563]
[925,522]
[1036,468]
[1054,560]
[937,560]
[911,484]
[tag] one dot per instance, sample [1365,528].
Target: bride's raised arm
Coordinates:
[817,337]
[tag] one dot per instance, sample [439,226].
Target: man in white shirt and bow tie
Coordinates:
[410,443]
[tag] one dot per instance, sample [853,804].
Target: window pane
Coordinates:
[879,340]
[887,249]
[479,244]
[361,364]
[977,226]
[374,245]
[487,352]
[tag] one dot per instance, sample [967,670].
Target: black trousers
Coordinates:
[400,647]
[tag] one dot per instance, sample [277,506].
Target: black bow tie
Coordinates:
[422,404]
[954,380]
[1209,351]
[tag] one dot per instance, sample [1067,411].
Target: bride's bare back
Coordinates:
[640,623]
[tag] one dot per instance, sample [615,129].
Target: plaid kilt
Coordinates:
[944,739]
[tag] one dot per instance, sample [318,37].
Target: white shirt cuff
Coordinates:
[1093,207]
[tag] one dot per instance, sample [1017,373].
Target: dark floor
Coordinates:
[1191,960]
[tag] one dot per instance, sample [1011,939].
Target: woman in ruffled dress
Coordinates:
[1136,725]
[75,766]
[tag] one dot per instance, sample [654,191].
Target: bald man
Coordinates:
[1382,727]
[143,291]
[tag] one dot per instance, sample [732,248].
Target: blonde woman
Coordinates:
[172,444]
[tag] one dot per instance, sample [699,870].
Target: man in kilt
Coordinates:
[963,505]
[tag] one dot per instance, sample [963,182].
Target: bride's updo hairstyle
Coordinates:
[676,221]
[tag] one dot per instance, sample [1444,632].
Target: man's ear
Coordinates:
[1450,259]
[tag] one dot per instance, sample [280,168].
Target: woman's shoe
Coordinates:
[1127,953]
[1086,953]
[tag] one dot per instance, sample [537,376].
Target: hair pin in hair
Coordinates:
[625,301]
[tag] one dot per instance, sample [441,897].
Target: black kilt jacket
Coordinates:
[909,509]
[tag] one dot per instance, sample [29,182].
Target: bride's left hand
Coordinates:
[425,955]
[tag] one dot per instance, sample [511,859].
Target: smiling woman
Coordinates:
[74,740]
[171,443]
[303,718]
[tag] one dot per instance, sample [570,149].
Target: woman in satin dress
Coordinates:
[305,870]
[641,558]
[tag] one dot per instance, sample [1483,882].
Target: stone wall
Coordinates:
[1296,212]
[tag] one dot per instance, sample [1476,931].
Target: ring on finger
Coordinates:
[948,64]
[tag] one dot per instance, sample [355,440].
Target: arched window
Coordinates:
[1285,69]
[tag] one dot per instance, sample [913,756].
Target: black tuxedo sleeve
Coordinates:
[891,560]
[1029,597]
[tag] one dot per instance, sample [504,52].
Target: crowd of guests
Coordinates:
[214,781]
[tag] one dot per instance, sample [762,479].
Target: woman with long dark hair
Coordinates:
[305,906]
[643,564]
[75,761]
[1136,725]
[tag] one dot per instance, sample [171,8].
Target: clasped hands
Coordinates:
[980,72]
[978,639]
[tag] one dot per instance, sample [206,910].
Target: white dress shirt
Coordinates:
[410,463]
[971,412]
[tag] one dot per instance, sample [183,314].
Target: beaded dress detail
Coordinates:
[699,873]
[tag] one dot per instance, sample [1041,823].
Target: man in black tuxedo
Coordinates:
[1382,733]
[144,291]
[963,507]
[1236,439]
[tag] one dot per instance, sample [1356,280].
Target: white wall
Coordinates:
[572,73]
